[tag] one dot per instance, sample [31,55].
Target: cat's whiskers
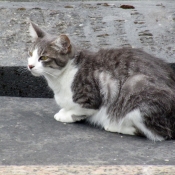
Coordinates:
[46,72]
[50,74]
[24,70]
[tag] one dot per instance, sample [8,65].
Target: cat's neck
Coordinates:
[63,80]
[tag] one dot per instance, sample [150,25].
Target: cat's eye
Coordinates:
[30,53]
[43,58]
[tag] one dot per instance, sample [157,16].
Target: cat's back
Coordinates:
[123,58]
[129,57]
[121,63]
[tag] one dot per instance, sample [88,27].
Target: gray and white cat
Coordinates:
[121,90]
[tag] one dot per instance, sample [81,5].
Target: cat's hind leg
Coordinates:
[102,119]
[131,124]
[124,125]
[137,121]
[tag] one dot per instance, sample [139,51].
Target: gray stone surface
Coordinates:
[29,135]
[91,25]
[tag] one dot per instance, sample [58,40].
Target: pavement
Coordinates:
[30,138]
[31,141]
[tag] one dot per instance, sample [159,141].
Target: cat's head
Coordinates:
[49,54]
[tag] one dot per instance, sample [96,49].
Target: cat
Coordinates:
[123,90]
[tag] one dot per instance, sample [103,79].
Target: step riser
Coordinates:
[19,82]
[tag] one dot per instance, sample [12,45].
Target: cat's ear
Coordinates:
[35,31]
[62,44]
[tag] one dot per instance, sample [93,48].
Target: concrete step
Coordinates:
[31,141]
[29,135]
[90,24]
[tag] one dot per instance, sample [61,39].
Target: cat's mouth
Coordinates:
[33,72]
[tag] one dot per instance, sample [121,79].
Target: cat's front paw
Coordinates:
[64,116]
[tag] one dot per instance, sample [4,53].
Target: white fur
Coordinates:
[64,116]
[33,61]
[60,82]
[125,126]
[138,122]
[100,118]
[63,96]
[108,85]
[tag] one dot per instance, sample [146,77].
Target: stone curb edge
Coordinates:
[85,170]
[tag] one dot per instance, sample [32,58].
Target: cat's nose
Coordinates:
[31,66]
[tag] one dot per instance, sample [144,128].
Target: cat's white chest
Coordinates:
[62,88]
[64,97]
